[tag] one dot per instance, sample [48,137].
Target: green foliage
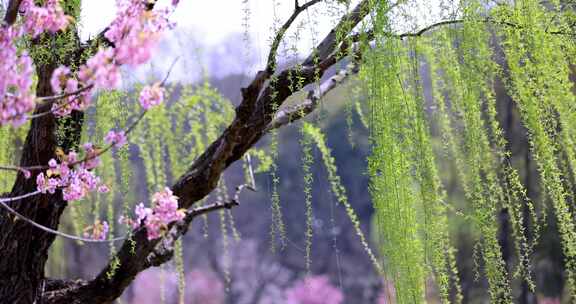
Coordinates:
[539,81]
[313,134]
[179,261]
[307,162]
[392,187]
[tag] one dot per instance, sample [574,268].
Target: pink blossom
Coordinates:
[52,163]
[38,19]
[72,157]
[126,220]
[72,176]
[98,231]
[154,226]
[117,139]
[16,98]
[136,31]
[103,189]
[92,160]
[46,184]
[151,96]
[59,78]
[78,184]
[79,101]
[166,206]
[165,211]
[314,290]
[142,212]
[100,70]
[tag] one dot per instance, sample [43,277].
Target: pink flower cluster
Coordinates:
[72,176]
[117,139]
[314,290]
[101,70]
[135,31]
[151,96]
[98,231]
[62,82]
[38,19]
[16,98]
[156,219]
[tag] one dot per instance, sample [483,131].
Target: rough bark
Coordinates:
[24,247]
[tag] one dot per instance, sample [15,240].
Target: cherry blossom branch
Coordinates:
[165,249]
[3,201]
[59,106]
[163,82]
[77,95]
[64,95]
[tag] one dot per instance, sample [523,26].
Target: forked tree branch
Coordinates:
[271,62]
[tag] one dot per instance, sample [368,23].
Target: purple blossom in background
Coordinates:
[387,294]
[203,287]
[314,290]
[148,286]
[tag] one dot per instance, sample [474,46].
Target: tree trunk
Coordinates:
[24,247]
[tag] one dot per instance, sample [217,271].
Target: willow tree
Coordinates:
[49,111]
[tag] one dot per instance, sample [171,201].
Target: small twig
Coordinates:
[251,171]
[64,95]
[16,198]
[224,205]
[3,204]
[169,71]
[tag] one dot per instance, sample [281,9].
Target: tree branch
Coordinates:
[271,62]
[12,12]
[344,27]
[293,113]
